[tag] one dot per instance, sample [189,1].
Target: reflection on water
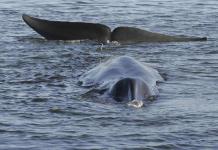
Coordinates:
[41,103]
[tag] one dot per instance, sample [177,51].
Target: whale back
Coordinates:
[105,75]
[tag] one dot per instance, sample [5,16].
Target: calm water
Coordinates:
[41,106]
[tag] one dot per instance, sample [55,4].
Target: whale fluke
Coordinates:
[58,30]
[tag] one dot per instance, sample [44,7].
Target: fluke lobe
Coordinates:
[57,30]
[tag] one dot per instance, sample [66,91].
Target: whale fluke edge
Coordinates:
[60,30]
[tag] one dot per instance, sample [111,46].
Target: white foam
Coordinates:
[136,103]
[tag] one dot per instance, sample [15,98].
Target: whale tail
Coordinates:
[57,30]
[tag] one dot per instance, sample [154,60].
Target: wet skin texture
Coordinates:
[123,78]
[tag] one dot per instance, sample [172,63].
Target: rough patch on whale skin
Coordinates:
[134,35]
[106,74]
[57,30]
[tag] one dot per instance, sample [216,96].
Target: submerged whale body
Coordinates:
[57,30]
[123,79]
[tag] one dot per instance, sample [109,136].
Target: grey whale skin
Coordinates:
[57,30]
[123,78]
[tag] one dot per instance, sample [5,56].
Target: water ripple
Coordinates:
[41,103]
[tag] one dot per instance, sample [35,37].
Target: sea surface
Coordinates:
[41,102]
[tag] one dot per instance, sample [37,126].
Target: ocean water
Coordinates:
[41,103]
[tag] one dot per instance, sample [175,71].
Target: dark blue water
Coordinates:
[41,106]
